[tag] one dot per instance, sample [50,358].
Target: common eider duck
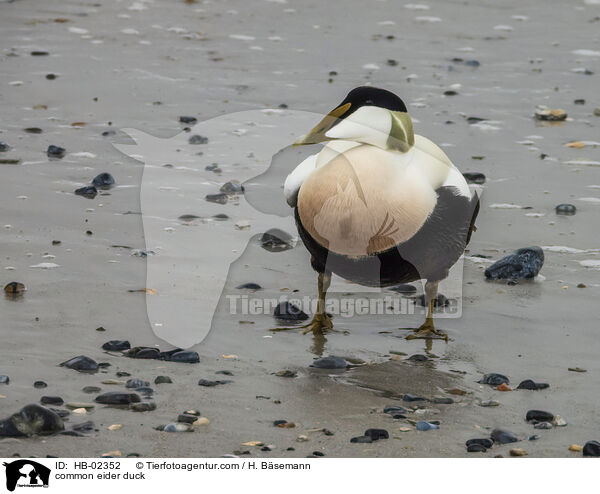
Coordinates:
[379,205]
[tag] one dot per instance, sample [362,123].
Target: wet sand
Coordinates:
[134,54]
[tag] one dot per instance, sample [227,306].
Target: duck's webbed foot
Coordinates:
[320,324]
[428,331]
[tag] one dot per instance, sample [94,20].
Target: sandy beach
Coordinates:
[141,65]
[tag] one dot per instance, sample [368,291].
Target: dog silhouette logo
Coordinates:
[26,473]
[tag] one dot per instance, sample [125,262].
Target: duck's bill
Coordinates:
[318,133]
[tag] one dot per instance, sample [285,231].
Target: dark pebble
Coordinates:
[4,379]
[146,406]
[532,385]
[51,77]
[443,401]
[474,177]
[40,384]
[394,410]
[197,139]
[566,209]
[91,389]
[145,391]
[276,240]
[89,192]
[579,101]
[220,217]
[109,133]
[136,383]
[123,374]
[329,363]
[116,345]
[118,398]
[534,437]
[187,418]
[440,301]
[163,380]
[103,181]
[104,365]
[503,436]
[539,416]
[474,120]
[404,289]
[213,168]
[485,442]
[51,400]
[591,448]
[249,286]
[450,92]
[55,152]
[409,397]
[31,419]
[287,311]
[522,263]
[188,120]
[33,130]
[224,372]
[286,373]
[418,358]
[39,53]
[476,448]
[179,355]
[81,364]
[361,439]
[494,379]
[283,106]
[143,352]
[376,434]
[472,63]
[217,198]
[14,288]
[209,384]
[277,423]
[265,448]
[318,453]
[232,188]
[4,147]
[392,63]
[87,426]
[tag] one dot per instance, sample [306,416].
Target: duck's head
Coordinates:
[368,115]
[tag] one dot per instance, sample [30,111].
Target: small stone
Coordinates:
[392,63]
[566,209]
[579,101]
[302,438]
[286,311]
[418,358]
[188,120]
[118,398]
[489,403]
[503,436]
[217,198]
[136,383]
[534,437]
[546,114]
[89,192]
[81,364]
[14,288]
[91,389]
[232,188]
[558,421]
[213,168]
[539,416]
[522,263]
[242,224]
[163,380]
[329,363]
[146,406]
[532,385]
[276,240]
[394,410]
[115,427]
[33,130]
[286,373]
[504,387]
[249,286]
[40,384]
[116,345]
[4,147]
[457,392]
[476,448]
[143,352]
[543,425]
[287,425]
[80,411]
[376,434]
[494,379]
[201,421]
[577,369]
[591,448]
[178,427]
[581,285]
[450,92]
[576,447]
[410,397]
[181,356]
[197,139]
[597,112]
[51,400]
[426,426]
[103,181]
[209,384]
[111,454]
[55,152]
[51,77]
[361,439]
[440,400]
[472,63]
[485,442]
[518,452]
